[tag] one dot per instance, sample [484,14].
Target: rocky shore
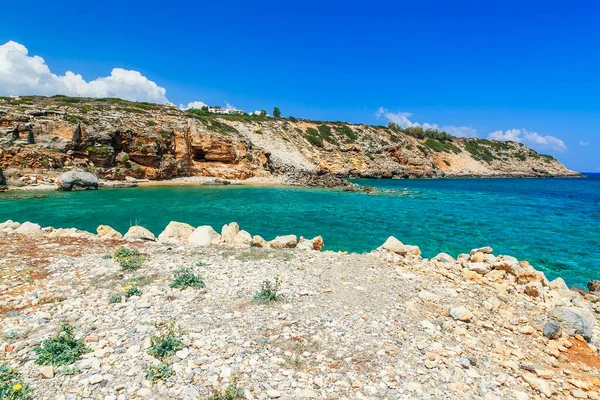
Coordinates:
[285,319]
[42,138]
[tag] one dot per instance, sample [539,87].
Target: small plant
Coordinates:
[268,291]
[231,392]
[69,371]
[107,256]
[160,372]
[184,278]
[132,290]
[130,260]
[166,341]
[11,385]
[63,349]
[116,298]
[200,264]
[10,335]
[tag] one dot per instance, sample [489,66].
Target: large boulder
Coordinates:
[318,243]
[258,241]
[395,246]
[77,180]
[305,244]
[204,236]
[9,226]
[243,239]
[28,228]
[574,320]
[176,232]
[139,233]
[107,232]
[282,242]
[508,264]
[229,232]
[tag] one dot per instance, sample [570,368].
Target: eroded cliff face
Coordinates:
[118,139]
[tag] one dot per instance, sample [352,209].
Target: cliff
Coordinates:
[116,139]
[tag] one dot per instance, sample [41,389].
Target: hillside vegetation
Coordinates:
[118,139]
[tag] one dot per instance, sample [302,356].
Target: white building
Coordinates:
[216,110]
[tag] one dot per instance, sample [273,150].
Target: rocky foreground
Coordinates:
[383,325]
[118,140]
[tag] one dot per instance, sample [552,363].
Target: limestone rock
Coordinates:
[443,258]
[107,232]
[508,264]
[574,320]
[9,226]
[594,286]
[77,180]
[479,267]
[558,284]
[243,239]
[394,245]
[29,228]
[176,232]
[258,241]
[304,244]
[484,250]
[229,232]
[534,289]
[318,243]
[47,371]
[281,242]
[139,233]
[204,236]
[461,314]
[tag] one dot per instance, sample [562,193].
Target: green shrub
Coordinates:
[231,392]
[166,341]
[63,349]
[129,260]
[184,278]
[76,119]
[268,291]
[151,123]
[11,385]
[132,290]
[441,147]
[160,372]
[313,137]
[115,298]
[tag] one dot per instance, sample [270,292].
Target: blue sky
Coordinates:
[522,70]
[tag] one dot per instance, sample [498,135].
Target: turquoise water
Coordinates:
[553,223]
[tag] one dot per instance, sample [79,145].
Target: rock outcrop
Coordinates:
[77,180]
[139,233]
[117,139]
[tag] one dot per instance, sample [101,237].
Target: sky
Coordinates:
[514,70]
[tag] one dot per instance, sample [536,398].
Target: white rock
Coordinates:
[139,233]
[394,245]
[305,244]
[229,232]
[29,227]
[107,232]
[204,236]
[176,232]
[508,264]
[47,371]
[281,242]
[258,241]
[243,239]
[9,226]
[461,314]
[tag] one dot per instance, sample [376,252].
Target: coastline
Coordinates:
[416,323]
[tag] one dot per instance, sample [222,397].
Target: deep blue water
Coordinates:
[552,223]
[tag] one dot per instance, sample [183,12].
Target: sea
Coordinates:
[553,223]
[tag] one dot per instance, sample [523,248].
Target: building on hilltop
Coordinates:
[219,110]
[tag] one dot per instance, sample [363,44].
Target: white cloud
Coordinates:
[193,104]
[22,74]
[402,119]
[532,139]
[583,143]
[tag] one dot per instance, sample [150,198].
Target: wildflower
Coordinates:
[17,387]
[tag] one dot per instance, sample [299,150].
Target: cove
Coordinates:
[552,223]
